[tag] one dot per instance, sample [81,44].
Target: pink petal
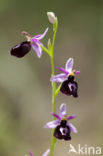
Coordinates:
[46,153]
[52,124]
[36,47]
[40,36]
[59,78]
[56,116]
[77,72]
[63,70]
[69,65]
[62,110]
[31,154]
[72,127]
[71,117]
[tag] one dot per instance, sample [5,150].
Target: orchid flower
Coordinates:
[69,86]
[62,126]
[23,48]
[45,154]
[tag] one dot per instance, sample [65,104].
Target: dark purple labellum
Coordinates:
[62,131]
[21,49]
[69,87]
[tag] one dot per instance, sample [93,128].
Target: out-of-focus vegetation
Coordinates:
[25,90]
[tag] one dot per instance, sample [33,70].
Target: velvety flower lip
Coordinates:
[69,87]
[65,72]
[45,154]
[58,123]
[23,48]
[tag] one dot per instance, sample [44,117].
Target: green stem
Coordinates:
[55,26]
[53,86]
[50,52]
[53,139]
[53,143]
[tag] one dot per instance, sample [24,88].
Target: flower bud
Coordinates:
[52,18]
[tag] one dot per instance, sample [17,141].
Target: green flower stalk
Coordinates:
[53,139]
[50,51]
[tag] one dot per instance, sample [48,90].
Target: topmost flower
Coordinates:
[23,48]
[69,86]
[51,17]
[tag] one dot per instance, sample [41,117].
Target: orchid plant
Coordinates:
[60,125]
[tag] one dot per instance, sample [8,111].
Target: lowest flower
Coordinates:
[62,126]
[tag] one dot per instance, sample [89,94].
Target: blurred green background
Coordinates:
[25,89]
